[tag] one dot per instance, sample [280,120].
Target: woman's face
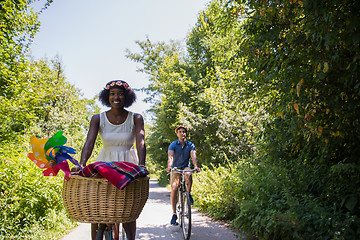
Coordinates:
[117,98]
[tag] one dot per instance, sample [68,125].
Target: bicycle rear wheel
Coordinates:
[185,215]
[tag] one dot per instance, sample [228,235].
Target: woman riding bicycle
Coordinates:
[179,154]
[118,129]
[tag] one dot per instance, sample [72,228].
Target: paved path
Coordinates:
[154,222]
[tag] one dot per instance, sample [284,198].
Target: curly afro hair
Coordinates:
[130,96]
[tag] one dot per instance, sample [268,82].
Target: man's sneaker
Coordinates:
[191,199]
[173,220]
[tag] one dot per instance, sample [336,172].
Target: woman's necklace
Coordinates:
[117,119]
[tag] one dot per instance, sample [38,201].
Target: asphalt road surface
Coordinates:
[154,222]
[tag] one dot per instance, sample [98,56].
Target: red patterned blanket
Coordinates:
[118,173]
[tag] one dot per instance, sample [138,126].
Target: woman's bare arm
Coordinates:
[90,139]
[140,138]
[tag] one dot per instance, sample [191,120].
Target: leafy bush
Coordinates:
[272,202]
[212,189]
[30,202]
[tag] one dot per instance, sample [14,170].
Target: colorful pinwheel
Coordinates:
[51,155]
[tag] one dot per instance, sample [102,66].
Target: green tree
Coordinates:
[276,80]
[302,57]
[18,26]
[224,121]
[199,87]
[35,99]
[44,105]
[168,88]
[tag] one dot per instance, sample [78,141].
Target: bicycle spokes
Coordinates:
[186,216]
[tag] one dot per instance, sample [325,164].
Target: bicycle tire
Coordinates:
[108,235]
[186,215]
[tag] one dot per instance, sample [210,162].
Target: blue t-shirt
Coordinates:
[181,154]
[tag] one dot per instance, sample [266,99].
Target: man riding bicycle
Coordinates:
[179,154]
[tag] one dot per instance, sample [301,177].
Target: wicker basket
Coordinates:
[96,200]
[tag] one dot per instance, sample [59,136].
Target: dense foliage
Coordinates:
[35,99]
[31,205]
[270,93]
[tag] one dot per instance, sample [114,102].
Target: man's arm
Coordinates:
[194,160]
[170,160]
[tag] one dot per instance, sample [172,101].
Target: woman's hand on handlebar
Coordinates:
[143,166]
[76,169]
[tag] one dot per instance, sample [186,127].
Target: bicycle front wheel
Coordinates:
[104,232]
[123,234]
[186,215]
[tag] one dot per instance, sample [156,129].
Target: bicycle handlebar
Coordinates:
[182,170]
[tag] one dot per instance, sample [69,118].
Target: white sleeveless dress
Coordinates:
[118,140]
